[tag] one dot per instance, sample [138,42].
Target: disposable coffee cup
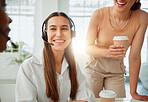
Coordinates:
[121,40]
[107,96]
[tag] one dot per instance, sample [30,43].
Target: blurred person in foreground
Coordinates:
[4,26]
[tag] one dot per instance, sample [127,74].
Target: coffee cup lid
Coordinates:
[107,94]
[120,38]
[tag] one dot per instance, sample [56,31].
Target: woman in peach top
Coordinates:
[104,68]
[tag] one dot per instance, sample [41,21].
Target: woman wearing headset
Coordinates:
[54,75]
[105,69]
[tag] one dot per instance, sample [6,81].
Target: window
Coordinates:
[22,28]
[81,11]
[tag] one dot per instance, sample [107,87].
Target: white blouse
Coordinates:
[30,84]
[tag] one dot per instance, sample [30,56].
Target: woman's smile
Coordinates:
[59,41]
[121,3]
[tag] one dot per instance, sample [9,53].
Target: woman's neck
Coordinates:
[59,57]
[120,16]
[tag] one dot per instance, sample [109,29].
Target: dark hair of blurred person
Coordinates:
[4,26]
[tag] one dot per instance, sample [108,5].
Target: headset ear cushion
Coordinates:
[73,33]
[44,36]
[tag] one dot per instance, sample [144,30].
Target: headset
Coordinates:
[44,34]
[8,38]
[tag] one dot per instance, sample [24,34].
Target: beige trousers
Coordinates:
[107,73]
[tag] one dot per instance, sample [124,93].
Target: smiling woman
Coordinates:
[81,14]
[125,18]
[56,76]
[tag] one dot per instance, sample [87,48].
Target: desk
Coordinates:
[122,100]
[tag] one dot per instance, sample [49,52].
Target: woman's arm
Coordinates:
[135,57]
[93,31]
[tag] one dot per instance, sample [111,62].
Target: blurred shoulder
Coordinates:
[32,63]
[99,11]
[98,15]
[25,65]
[27,61]
[143,17]
[143,14]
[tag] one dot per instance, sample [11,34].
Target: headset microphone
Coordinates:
[47,41]
[8,38]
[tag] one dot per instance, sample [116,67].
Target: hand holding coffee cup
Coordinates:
[107,96]
[121,41]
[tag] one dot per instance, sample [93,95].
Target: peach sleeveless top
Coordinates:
[107,32]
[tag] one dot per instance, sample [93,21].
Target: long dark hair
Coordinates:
[136,5]
[49,66]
